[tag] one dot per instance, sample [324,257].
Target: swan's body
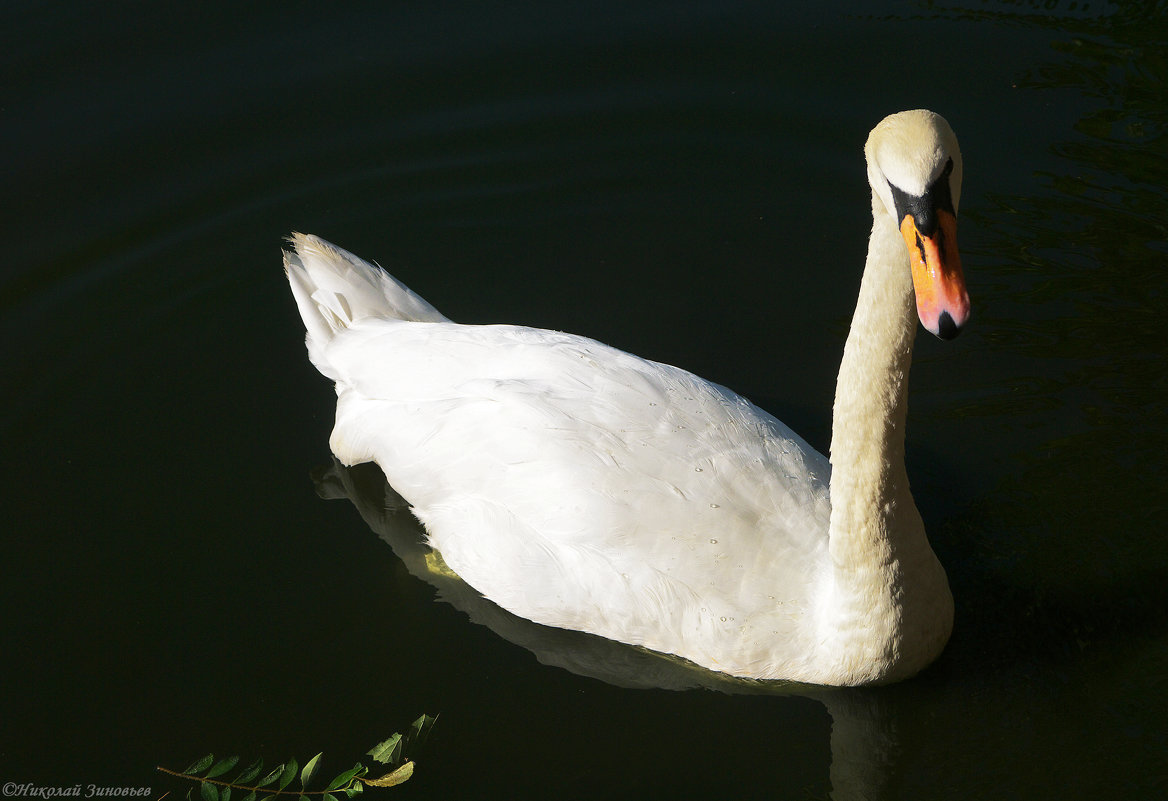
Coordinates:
[582,487]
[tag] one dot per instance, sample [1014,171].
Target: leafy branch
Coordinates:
[275,783]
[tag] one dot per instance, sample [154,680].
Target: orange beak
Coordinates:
[942,300]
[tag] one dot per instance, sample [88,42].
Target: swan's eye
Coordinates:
[948,167]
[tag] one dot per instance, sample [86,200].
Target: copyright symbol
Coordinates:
[10,788]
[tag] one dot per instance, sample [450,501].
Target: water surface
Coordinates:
[684,181]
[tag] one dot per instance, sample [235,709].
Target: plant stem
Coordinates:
[249,788]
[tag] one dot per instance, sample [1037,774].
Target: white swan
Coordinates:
[579,486]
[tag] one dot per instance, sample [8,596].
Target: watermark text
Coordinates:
[30,790]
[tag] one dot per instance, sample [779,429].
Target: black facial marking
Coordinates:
[924,208]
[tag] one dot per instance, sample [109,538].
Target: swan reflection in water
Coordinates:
[864,745]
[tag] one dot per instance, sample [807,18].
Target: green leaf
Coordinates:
[346,777]
[275,773]
[221,767]
[224,794]
[290,770]
[327,797]
[385,751]
[250,796]
[421,726]
[394,777]
[208,792]
[356,789]
[250,772]
[199,765]
[309,772]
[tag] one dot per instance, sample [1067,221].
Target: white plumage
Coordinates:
[583,487]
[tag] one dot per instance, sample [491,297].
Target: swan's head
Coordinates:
[914,166]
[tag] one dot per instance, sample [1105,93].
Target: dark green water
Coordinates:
[682,180]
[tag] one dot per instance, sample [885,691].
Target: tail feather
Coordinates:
[334,289]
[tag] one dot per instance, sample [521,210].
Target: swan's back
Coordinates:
[580,486]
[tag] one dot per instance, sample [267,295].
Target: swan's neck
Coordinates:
[871,402]
[884,577]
